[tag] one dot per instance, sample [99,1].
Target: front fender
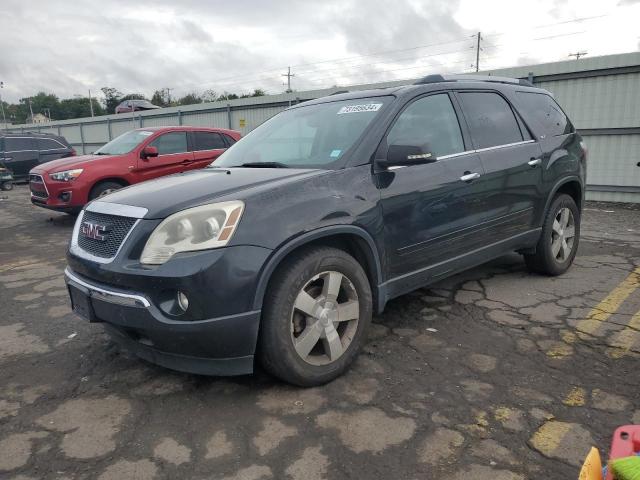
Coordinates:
[290,245]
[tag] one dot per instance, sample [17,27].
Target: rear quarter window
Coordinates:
[546,111]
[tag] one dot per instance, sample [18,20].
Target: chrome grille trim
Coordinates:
[76,250]
[117,209]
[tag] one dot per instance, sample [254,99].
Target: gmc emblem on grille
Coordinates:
[94,231]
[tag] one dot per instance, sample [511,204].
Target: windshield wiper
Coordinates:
[101,153]
[264,165]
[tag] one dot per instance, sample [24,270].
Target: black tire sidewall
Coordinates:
[561,201]
[277,349]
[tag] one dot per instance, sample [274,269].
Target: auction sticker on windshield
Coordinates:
[369,107]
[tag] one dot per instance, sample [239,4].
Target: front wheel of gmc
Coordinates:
[315,317]
[558,242]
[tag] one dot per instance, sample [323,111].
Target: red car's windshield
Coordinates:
[124,143]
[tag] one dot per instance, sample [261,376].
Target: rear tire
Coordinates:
[559,239]
[103,188]
[316,313]
[6,186]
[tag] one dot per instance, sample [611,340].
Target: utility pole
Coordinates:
[168,90]
[90,103]
[288,75]
[31,109]
[4,119]
[578,55]
[478,52]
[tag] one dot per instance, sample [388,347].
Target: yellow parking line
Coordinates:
[607,307]
[627,338]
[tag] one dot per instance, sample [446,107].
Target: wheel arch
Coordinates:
[572,186]
[118,180]
[354,240]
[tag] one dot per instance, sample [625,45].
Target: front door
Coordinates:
[432,212]
[511,160]
[173,156]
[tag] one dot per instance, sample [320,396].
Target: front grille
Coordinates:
[37,186]
[116,229]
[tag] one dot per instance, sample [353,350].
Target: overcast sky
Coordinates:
[192,45]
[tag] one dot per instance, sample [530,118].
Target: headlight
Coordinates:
[198,228]
[67,175]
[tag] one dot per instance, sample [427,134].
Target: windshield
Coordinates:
[124,143]
[314,136]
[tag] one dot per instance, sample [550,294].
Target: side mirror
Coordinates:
[149,152]
[406,155]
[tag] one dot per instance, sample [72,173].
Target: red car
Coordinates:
[67,184]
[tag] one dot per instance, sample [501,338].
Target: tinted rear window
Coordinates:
[49,144]
[208,141]
[490,118]
[546,111]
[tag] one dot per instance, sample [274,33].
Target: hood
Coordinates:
[167,195]
[69,162]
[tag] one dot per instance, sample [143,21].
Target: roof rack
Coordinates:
[339,92]
[472,78]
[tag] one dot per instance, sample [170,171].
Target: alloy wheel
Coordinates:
[563,235]
[325,318]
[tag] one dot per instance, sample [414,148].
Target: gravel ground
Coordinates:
[493,374]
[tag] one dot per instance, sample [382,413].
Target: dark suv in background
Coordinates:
[312,222]
[20,152]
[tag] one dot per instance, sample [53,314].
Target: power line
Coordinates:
[578,55]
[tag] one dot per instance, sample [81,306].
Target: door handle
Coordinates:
[186,162]
[534,162]
[467,177]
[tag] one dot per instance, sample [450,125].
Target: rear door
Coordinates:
[20,155]
[511,161]
[173,156]
[433,212]
[50,149]
[207,146]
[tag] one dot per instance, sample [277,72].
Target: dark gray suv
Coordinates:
[20,152]
[284,248]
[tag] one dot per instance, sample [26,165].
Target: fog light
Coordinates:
[183,301]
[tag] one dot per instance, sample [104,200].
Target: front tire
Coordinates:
[559,239]
[103,188]
[316,312]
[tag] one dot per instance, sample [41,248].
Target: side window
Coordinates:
[430,120]
[19,144]
[546,111]
[208,141]
[230,140]
[490,118]
[174,142]
[48,144]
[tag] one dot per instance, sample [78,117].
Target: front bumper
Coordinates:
[217,346]
[67,197]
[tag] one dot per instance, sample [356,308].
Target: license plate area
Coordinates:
[81,303]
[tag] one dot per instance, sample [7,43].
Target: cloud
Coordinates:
[67,48]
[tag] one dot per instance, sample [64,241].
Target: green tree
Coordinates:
[112,97]
[159,98]
[190,99]
[227,96]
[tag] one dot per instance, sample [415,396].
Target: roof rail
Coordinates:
[339,92]
[472,78]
